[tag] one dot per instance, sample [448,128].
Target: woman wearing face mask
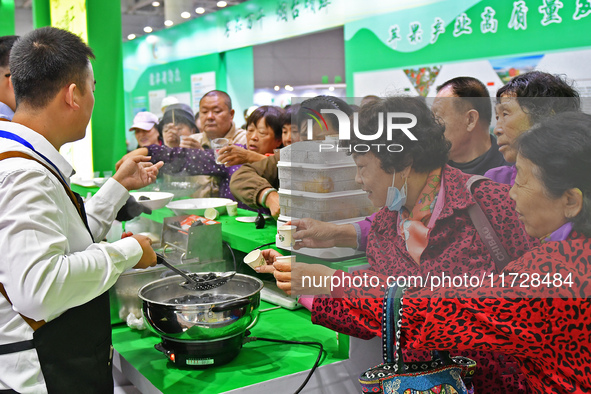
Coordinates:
[544,324]
[423,226]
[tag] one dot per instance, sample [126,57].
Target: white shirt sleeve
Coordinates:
[102,208]
[49,261]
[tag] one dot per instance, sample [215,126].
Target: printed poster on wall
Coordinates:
[200,84]
[155,101]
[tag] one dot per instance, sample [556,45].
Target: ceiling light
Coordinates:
[222,4]
[168,23]
[289,88]
[200,10]
[185,15]
[276,88]
[155,4]
[131,36]
[148,29]
[331,88]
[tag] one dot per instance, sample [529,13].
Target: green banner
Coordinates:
[453,31]
[250,23]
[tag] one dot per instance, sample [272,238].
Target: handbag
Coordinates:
[441,375]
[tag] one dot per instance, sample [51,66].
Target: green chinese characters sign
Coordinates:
[420,39]
[165,62]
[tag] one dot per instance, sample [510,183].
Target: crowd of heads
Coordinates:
[528,114]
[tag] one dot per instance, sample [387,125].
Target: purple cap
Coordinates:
[144,121]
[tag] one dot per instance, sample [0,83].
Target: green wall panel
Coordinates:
[240,80]
[41,13]
[108,119]
[6,17]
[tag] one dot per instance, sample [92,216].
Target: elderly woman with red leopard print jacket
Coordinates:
[538,310]
[428,231]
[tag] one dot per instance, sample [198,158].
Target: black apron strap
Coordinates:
[17,347]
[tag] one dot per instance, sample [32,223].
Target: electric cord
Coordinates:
[316,363]
[262,246]
[232,253]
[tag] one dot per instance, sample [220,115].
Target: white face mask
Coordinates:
[396,198]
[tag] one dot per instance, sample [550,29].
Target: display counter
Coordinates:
[257,362]
[260,367]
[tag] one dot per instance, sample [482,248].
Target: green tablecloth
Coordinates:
[257,361]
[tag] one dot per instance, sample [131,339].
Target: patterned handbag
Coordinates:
[442,375]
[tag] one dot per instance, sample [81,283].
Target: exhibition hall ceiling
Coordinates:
[136,15]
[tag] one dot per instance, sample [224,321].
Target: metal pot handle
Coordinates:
[231,305]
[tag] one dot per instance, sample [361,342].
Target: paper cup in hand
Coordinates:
[255,259]
[285,236]
[218,144]
[232,208]
[286,259]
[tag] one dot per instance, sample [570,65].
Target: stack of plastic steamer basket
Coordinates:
[318,181]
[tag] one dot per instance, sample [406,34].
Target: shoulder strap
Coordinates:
[485,229]
[35,325]
[69,192]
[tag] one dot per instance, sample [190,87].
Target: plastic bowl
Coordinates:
[156,200]
[197,206]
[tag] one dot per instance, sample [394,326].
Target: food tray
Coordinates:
[315,152]
[325,206]
[317,178]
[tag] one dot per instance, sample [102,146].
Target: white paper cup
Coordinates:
[232,208]
[285,236]
[255,259]
[286,259]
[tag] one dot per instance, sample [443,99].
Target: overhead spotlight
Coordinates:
[185,15]
[148,29]
[168,23]
[131,36]
[222,4]
[200,10]
[155,4]
[289,88]
[331,88]
[276,88]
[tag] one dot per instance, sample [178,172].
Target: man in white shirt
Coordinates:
[53,273]
[7,103]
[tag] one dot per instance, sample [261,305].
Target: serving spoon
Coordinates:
[197,281]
